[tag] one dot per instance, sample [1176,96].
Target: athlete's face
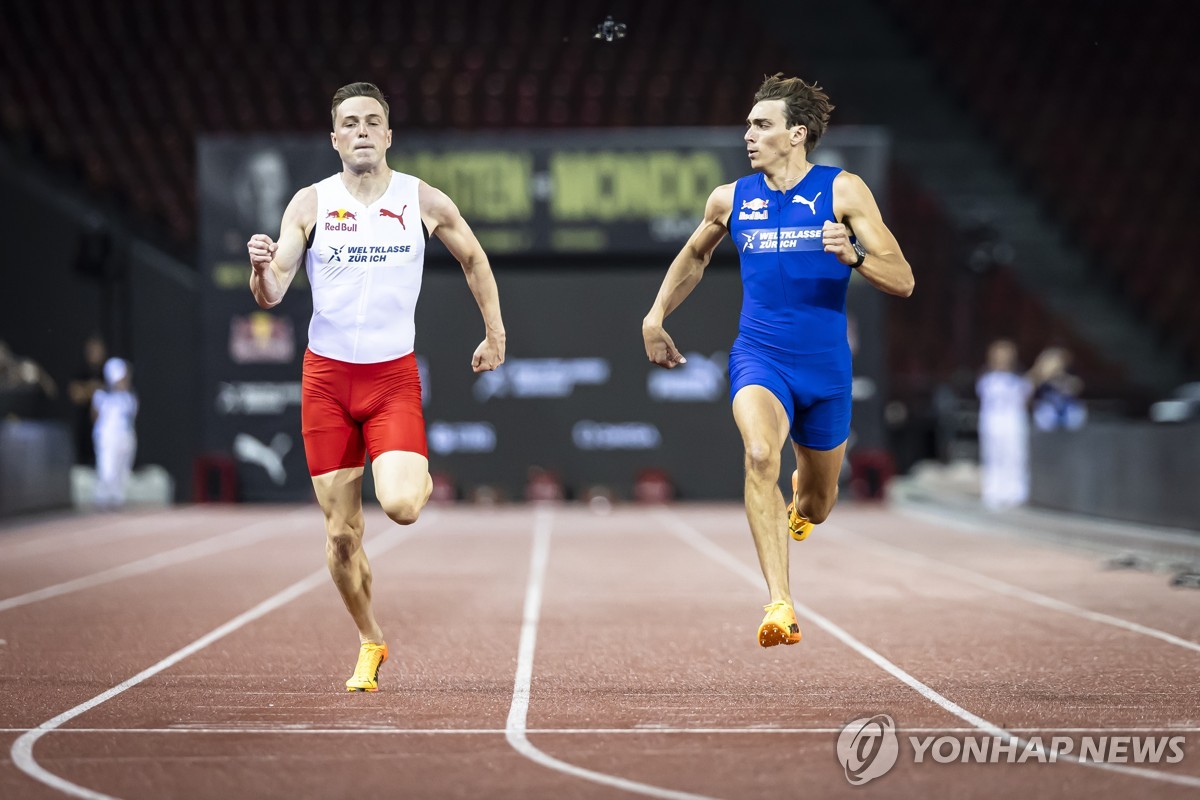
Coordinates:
[360,132]
[769,141]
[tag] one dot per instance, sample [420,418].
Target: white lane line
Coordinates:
[110,531]
[1012,590]
[22,748]
[240,537]
[1039,527]
[699,541]
[284,730]
[515,731]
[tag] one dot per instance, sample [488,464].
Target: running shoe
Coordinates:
[779,626]
[366,672]
[798,524]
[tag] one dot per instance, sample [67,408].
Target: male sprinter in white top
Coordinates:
[361,236]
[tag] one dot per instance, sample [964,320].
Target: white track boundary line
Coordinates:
[230,540]
[1003,587]
[650,730]
[108,532]
[515,731]
[963,521]
[700,542]
[22,748]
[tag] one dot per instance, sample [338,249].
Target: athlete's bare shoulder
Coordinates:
[433,199]
[437,209]
[302,210]
[851,196]
[720,204]
[723,194]
[849,186]
[848,181]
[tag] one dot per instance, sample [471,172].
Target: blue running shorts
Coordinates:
[814,389]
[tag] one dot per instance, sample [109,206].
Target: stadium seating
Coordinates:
[114,93]
[1092,105]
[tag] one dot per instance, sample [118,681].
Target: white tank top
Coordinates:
[365,266]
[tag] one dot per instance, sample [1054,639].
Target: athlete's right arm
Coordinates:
[273,265]
[684,273]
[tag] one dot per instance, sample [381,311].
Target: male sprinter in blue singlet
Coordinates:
[800,230]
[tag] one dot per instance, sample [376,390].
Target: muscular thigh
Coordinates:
[400,476]
[761,419]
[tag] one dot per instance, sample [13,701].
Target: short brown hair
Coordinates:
[360,89]
[804,104]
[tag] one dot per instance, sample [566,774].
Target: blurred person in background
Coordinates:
[26,389]
[11,377]
[114,436]
[801,230]
[1056,390]
[88,378]
[1003,428]
[361,235]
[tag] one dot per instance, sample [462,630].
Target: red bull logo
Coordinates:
[346,220]
[753,209]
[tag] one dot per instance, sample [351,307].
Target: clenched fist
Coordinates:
[262,251]
[836,238]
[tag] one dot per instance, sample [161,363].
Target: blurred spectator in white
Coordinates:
[1056,402]
[88,379]
[114,409]
[1003,428]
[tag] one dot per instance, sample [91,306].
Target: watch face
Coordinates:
[858,248]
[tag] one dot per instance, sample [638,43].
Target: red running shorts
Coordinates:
[347,410]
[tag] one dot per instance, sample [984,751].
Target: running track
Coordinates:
[550,652]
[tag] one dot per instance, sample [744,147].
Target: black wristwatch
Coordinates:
[862,255]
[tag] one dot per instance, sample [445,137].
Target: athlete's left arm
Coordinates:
[885,267]
[443,219]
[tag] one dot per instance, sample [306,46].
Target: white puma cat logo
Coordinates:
[812,204]
[269,457]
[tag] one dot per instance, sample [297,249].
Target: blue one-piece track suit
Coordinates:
[792,333]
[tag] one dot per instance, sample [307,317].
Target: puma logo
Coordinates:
[383,212]
[269,457]
[812,204]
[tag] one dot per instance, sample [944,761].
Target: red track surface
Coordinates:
[636,630]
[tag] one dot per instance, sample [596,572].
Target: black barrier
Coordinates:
[1134,471]
[35,466]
